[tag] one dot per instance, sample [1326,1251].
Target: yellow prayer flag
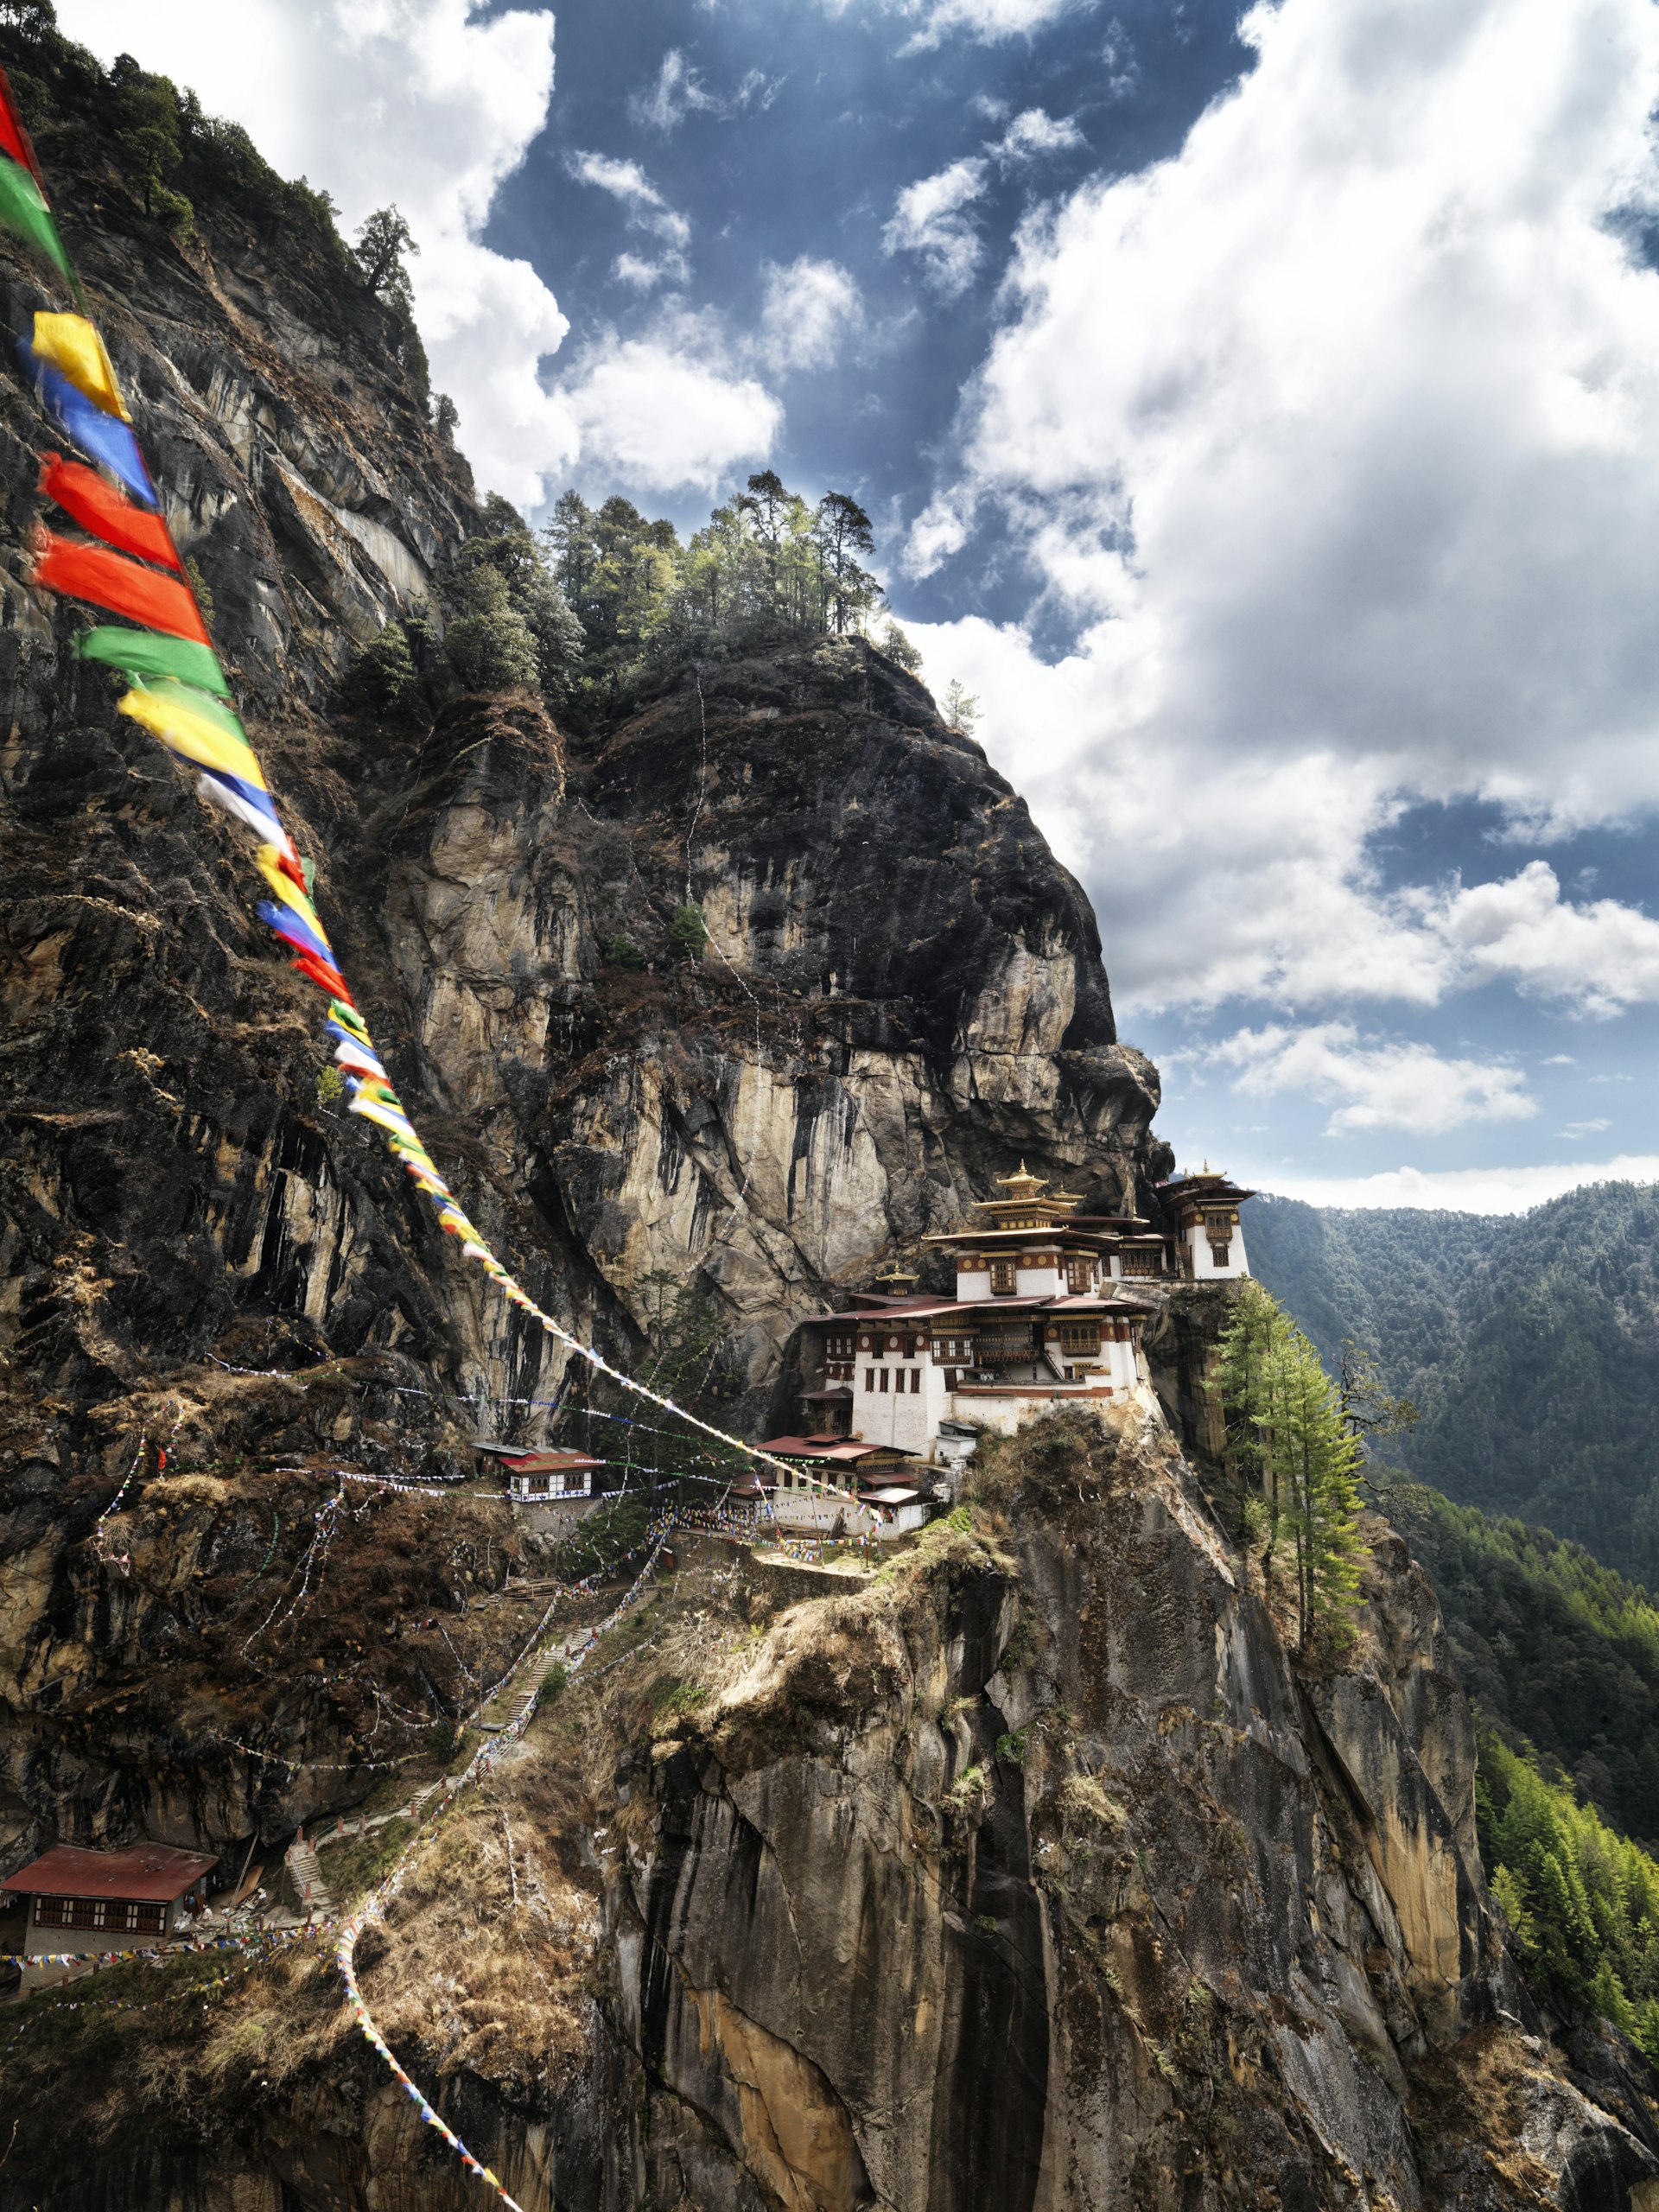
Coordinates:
[288,891]
[194,736]
[75,350]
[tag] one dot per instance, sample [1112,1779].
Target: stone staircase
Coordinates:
[312,1897]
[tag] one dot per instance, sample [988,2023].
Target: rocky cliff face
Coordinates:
[901,989]
[1025,1874]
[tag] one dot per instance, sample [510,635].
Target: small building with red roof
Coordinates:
[536,1476]
[98,1901]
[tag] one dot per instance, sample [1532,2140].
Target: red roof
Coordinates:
[808,1447]
[528,1460]
[149,1872]
[1032,1302]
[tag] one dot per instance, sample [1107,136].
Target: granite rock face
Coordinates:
[901,991]
[1030,1873]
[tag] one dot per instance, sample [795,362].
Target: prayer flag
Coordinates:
[24,213]
[195,727]
[86,498]
[240,800]
[372,1110]
[326,976]
[14,139]
[108,439]
[108,580]
[293,930]
[75,350]
[140,652]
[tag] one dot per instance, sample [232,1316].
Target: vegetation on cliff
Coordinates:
[1583,1901]
[1560,1653]
[602,599]
[1296,1461]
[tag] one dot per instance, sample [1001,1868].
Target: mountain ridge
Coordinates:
[1529,1341]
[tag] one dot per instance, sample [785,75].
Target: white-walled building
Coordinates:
[1049,1309]
[1046,1311]
[1202,1212]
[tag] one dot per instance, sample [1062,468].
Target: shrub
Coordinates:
[688,932]
[554,1682]
[623,952]
[1082,1798]
[967,1789]
[331,1089]
[384,680]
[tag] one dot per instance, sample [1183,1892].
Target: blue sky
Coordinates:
[1260,412]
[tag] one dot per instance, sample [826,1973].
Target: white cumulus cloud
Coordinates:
[811,312]
[930,218]
[427,104]
[1336,437]
[664,418]
[1373,1083]
[1599,957]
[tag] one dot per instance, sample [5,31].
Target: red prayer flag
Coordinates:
[14,139]
[83,495]
[123,587]
[324,978]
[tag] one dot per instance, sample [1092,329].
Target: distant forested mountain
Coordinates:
[1530,1344]
[1560,1653]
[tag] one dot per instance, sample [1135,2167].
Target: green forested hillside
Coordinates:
[1530,1343]
[1558,1651]
[1562,1657]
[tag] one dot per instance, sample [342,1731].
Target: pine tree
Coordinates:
[382,246]
[1294,1461]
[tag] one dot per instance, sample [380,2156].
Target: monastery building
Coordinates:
[1048,1310]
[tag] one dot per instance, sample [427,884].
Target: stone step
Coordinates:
[311,1892]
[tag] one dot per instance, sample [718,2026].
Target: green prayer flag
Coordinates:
[142,654]
[25,212]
